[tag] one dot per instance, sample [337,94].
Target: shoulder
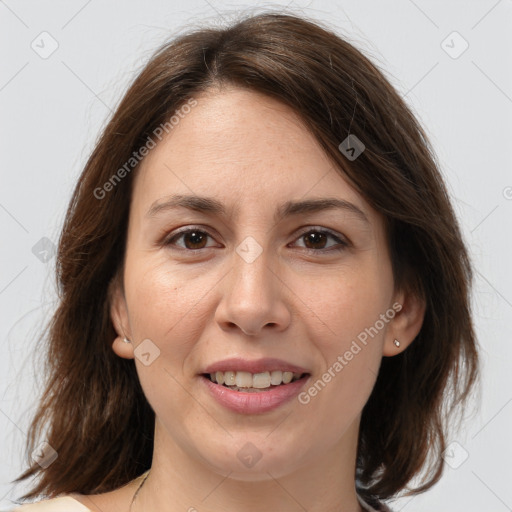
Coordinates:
[60,504]
[117,500]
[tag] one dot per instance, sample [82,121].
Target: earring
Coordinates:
[397,343]
[126,341]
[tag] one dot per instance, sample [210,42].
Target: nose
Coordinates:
[253,297]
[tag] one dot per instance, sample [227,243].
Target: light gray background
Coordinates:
[52,110]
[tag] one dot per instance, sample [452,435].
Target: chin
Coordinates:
[248,463]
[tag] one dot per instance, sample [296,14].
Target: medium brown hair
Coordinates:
[97,417]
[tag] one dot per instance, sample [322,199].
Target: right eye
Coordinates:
[193,239]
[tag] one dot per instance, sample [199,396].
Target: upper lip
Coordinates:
[266,364]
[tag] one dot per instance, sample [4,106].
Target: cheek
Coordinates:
[167,307]
[164,307]
[349,346]
[346,303]
[348,332]
[161,296]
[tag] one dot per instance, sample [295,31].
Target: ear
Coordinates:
[120,320]
[409,310]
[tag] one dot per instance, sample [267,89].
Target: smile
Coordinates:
[248,399]
[242,380]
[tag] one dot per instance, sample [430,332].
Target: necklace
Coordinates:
[137,491]
[144,479]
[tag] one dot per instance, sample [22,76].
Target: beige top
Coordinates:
[62,504]
[69,504]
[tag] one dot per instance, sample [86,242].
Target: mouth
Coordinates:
[247,382]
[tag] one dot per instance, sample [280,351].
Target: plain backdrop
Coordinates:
[65,65]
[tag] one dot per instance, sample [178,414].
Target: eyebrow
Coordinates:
[212,206]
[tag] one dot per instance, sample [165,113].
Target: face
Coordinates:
[241,270]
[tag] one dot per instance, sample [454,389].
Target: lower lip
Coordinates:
[257,402]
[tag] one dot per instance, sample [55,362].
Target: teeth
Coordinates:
[276,378]
[229,378]
[287,377]
[243,380]
[257,380]
[261,380]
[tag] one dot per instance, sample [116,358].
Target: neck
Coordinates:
[180,480]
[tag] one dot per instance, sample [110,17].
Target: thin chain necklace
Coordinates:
[137,492]
[142,483]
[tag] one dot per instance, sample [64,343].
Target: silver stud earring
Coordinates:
[397,343]
[126,341]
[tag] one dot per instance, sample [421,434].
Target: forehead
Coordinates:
[243,148]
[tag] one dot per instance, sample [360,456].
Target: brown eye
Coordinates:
[192,239]
[316,240]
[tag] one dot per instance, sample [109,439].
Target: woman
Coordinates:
[264,289]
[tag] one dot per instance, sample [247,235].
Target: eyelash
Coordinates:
[343,244]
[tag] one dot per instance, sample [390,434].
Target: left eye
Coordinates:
[194,239]
[315,237]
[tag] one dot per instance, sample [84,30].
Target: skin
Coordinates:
[252,153]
